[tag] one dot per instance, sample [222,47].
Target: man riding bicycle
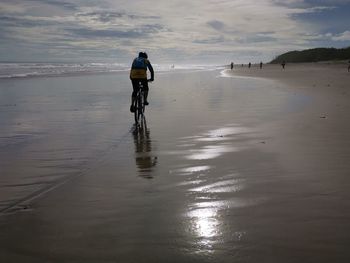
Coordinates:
[138,73]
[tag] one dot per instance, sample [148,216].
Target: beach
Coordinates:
[248,165]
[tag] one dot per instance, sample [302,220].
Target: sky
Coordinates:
[170,31]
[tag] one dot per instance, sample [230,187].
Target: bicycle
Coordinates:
[139,104]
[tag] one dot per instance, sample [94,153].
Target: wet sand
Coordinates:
[226,169]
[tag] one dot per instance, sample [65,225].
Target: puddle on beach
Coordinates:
[194,169]
[228,186]
[207,223]
[210,193]
[210,152]
[211,144]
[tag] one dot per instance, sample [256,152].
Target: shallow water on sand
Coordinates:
[196,182]
[52,127]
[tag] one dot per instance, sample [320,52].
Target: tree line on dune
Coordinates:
[313,55]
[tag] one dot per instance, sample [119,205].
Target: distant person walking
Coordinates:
[249,65]
[231,65]
[261,65]
[283,64]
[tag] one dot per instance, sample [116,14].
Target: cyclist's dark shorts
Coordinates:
[135,85]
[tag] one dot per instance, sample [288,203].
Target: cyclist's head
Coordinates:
[143,55]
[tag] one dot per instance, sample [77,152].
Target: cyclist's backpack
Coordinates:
[139,63]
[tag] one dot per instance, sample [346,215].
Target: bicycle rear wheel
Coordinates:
[139,108]
[136,112]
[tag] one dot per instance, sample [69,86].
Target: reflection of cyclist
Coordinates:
[143,148]
[138,73]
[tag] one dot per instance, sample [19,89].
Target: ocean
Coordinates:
[25,70]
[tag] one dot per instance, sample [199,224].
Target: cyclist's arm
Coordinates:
[151,70]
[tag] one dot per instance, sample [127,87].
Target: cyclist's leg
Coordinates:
[135,86]
[145,90]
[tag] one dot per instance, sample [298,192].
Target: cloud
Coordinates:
[20,21]
[345,36]
[256,38]
[106,16]
[143,32]
[331,38]
[214,40]
[217,25]
[10,8]
[58,3]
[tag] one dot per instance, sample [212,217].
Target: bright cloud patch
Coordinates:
[342,37]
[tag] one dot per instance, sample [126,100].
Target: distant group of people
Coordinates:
[283,64]
[249,65]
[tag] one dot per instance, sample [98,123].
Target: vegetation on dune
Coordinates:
[314,55]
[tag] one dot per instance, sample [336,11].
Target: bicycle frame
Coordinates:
[139,105]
